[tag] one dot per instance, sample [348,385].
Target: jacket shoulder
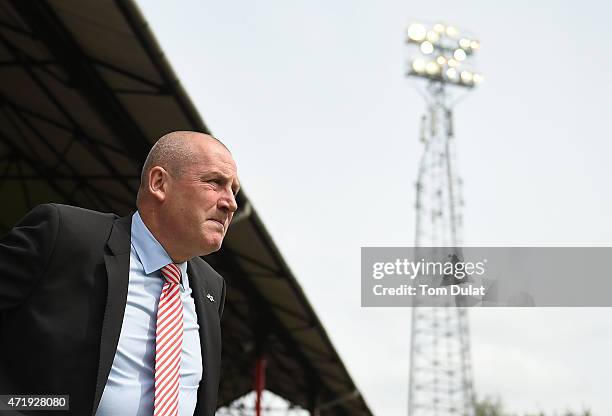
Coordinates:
[81,226]
[70,211]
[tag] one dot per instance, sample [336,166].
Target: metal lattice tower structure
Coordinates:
[440,363]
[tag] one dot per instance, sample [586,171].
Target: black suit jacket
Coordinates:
[63,289]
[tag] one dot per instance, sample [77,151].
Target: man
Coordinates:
[121,313]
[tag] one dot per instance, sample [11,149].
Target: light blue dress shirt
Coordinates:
[130,386]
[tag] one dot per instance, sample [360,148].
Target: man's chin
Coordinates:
[210,246]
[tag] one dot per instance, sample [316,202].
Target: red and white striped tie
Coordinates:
[168,343]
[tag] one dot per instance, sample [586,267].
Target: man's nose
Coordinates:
[228,202]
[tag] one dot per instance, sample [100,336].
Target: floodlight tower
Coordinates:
[440,367]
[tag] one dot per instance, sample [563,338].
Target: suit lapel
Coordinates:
[205,310]
[117,270]
[198,287]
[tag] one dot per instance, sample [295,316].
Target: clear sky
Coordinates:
[311,98]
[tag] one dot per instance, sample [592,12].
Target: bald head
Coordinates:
[174,152]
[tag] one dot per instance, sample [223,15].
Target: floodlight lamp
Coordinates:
[438,27]
[433,36]
[466,77]
[452,31]
[451,73]
[417,32]
[418,65]
[427,47]
[475,44]
[441,60]
[459,55]
[478,78]
[465,43]
[452,63]
[432,68]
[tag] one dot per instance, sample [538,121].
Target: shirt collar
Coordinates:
[150,252]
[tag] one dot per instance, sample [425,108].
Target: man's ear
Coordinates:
[158,183]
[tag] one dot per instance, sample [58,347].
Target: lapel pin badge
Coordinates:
[210,297]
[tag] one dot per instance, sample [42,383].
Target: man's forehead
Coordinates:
[223,170]
[208,156]
[215,165]
[212,152]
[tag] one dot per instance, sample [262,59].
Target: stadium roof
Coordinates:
[85,90]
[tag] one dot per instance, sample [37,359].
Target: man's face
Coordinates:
[202,200]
